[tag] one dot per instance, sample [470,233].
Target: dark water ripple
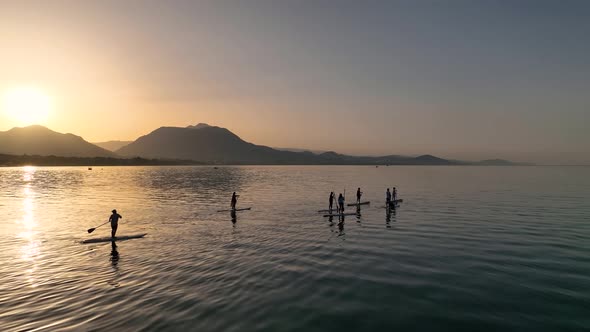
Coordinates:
[471,248]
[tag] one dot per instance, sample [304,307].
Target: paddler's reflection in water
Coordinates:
[114,281]
[340,225]
[114,255]
[234,218]
[387,219]
[389,215]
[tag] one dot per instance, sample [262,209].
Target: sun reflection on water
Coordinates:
[29,173]
[28,219]
[30,250]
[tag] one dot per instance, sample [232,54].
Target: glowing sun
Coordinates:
[26,105]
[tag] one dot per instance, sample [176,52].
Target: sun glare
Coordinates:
[26,105]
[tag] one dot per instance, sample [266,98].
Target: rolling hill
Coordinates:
[38,140]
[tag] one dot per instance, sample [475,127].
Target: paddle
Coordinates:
[333,199]
[344,201]
[90,230]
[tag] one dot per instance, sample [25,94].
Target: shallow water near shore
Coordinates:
[470,248]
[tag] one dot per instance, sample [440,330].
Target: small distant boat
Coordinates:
[89,168]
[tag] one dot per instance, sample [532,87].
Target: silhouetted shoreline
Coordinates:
[36,160]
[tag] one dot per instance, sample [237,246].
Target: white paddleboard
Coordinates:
[117,238]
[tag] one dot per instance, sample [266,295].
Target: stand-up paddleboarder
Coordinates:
[234,200]
[114,219]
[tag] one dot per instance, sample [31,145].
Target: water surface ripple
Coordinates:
[471,248]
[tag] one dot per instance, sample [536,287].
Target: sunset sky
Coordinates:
[458,79]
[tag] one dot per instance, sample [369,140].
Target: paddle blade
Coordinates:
[90,230]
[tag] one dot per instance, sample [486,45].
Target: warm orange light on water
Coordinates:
[30,249]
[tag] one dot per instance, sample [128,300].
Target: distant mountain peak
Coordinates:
[432,160]
[34,126]
[428,157]
[31,128]
[40,140]
[199,126]
[330,154]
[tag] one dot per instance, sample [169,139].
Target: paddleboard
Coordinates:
[397,201]
[327,210]
[117,238]
[235,210]
[357,204]
[340,214]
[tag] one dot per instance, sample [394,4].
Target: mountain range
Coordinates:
[217,145]
[201,143]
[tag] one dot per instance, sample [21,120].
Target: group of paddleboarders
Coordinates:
[391,197]
[340,207]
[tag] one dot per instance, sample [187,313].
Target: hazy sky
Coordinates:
[458,79]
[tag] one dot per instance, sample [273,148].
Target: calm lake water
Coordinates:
[471,248]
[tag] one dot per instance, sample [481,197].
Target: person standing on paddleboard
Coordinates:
[394,194]
[388,198]
[359,193]
[114,219]
[234,200]
[340,203]
[331,200]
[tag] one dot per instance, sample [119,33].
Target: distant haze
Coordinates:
[460,79]
[112,145]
